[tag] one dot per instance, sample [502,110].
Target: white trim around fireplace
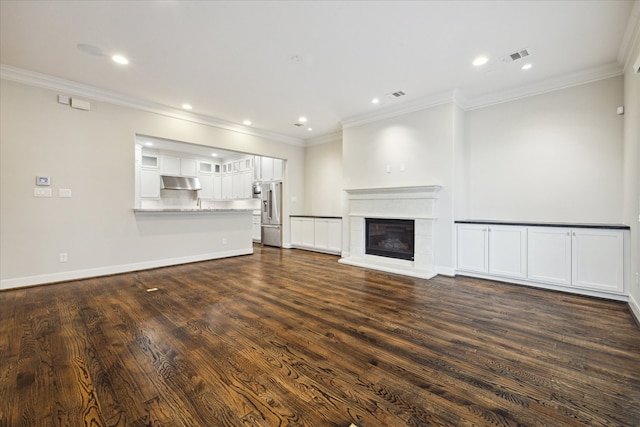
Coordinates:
[417,203]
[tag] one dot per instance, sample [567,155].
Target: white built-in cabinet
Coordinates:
[206,178]
[317,233]
[172,165]
[497,250]
[256,228]
[572,257]
[584,258]
[150,176]
[268,169]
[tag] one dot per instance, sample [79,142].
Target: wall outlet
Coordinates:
[63,257]
[65,192]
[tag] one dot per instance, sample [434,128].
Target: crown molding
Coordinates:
[405,108]
[68,87]
[324,139]
[549,85]
[630,38]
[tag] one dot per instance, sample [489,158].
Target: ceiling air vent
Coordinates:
[396,94]
[519,54]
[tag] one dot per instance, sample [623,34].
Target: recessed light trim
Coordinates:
[526,67]
[120,59]
[480,60]
[375,101]
[302,119]
[247,122]
[309,129]
[187,107]
[214,154]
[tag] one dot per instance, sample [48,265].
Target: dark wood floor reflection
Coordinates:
[292,338]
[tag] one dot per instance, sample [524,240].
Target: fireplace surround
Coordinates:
[398,203]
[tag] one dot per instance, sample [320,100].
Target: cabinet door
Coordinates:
[266,168]
[549,255]
[188,167]
[321,234]
[256,228]
[597,259]
[227,186]
[473,248]
[508,251]
[296,231]
[150,183]
[247,181]
[308,232]
[278,169]
[170,165]
[206,182]
[334,238]
[217,186]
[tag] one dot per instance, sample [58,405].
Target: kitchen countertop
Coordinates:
[190,210]
[546,224]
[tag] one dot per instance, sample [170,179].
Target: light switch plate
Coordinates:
[65,192]
[42,192]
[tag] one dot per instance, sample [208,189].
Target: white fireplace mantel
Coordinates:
[417,203]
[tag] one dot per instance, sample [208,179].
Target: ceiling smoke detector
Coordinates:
[396,94]
[519,54]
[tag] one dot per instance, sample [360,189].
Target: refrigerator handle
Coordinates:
[264,206]
[270,204]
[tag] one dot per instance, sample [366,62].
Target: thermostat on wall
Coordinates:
[43,180]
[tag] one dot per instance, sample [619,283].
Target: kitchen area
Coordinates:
[181,182]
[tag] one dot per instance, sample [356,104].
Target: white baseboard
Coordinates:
[635,308]
[445,271]
[20,282]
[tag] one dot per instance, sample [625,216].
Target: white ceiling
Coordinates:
[273,61]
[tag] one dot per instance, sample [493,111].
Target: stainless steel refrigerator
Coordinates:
[271,195]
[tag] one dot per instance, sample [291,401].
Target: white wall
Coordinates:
[422,142]
[551,157]
[632,173]
[92,153]
[323,179]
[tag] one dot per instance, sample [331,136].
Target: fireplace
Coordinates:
[392,238]
[415,205]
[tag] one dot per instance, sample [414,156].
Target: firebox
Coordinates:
[393,238]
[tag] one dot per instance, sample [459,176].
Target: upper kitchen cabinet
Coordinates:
[269,169]
[172,165]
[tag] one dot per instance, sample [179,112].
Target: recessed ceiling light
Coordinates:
[480,60]
[120,59]
[302,119]
[187,106]
[214,154]
[247,122]
[527,66]
[309,129]
[148,144]
[375,101]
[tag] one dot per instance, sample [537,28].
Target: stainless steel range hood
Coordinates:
[180,183]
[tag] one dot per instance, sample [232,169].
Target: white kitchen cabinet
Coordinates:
[227,186]
[173,165]
[508,251]
[317,233]
[149,161]
[473,248]
[149,183]
[170,165]
[598,259]
[256,229]
[549,255]
[217,186]
[206,184]
[328,234]
[271,169]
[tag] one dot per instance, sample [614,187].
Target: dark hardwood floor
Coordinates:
[292,338]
